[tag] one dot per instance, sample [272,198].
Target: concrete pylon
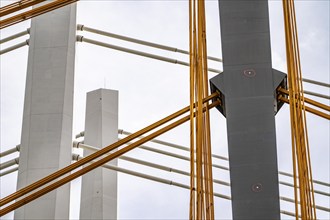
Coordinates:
[99,187]
[48,108]
[248,96]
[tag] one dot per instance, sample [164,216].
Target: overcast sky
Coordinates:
[151,89]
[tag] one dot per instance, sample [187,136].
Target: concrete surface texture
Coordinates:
[99,187]
[249,103]
[46,142]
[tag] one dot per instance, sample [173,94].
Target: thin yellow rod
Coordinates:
[309,109]
[34,12]
[300,145]
[192,36]
[17,6]
[307,100]
[93,165]
[94,156]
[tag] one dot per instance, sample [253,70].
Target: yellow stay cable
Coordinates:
[94,160]
[300,145]
[207,134]
[201,201]
[192,42]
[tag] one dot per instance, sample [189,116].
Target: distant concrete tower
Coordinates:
[99,187]
[48,107]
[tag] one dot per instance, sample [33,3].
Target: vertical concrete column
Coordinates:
[48,107]
[99,187]
[247,87]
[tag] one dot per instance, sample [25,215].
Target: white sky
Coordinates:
[151,89]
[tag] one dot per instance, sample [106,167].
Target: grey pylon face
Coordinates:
[247,92]
[217,84]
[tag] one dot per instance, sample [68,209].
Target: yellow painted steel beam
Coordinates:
[17,6]
[314,181]
[307,100]
[89,159]
[322,208]
[86,169]
[34,12]
[299,136]
[170,169]
[309,109]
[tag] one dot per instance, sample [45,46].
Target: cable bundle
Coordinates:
[201,179]
[300,147]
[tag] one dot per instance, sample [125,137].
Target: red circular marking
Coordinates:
[257,187]
[250,73]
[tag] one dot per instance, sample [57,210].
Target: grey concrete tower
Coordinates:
[48,107]
[248,94]
[99,187]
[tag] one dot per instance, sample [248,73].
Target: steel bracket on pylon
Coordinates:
[217,85]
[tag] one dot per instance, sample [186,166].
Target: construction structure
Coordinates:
[248,88]
[48,110]
[248,93]
[99,187]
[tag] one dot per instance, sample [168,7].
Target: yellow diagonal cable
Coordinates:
[300,146]
[203,208]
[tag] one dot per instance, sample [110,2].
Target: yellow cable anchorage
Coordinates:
[283,97]
[309,101]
